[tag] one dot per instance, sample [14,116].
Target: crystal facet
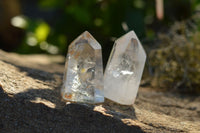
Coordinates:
[124,69]
[83,77]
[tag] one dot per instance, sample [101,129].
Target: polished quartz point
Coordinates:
[124,69]
[83,77]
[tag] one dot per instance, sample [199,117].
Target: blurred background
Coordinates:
[168,30]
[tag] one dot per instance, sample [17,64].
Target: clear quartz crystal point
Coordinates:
[124,69]
[83,77]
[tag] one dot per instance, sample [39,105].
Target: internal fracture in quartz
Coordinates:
[124,69]
[83,77]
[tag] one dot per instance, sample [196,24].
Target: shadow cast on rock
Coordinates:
[19,114]
[31,94]
[118,110]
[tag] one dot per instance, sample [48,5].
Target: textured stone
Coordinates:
[27,85]
[124,69]
[83,78]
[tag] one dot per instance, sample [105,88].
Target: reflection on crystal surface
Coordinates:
[83,78]
[124,69]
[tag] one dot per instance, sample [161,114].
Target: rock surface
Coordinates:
[30,102]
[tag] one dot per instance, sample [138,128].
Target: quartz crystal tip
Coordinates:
[83,76]
[124,69]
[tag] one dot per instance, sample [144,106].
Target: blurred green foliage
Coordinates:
[104,19]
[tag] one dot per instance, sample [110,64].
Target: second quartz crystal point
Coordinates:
[124,69]
[83,78]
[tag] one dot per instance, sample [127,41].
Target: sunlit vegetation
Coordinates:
[176,61]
